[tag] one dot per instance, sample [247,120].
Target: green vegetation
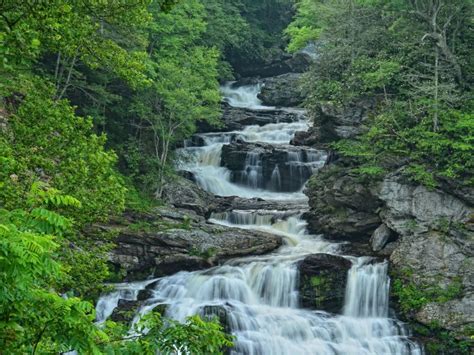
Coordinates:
[412,296]
[413,60]
[321,285]
[78,79]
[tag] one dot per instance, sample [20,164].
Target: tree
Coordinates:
[412,53]
[185,88]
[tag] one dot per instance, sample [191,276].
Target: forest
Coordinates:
[97,98]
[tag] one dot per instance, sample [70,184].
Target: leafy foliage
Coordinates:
[70,73]
[409,57]
[36,319]
[54,145]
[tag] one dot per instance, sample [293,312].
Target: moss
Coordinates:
[203,253]
[444,342]
[413,296]
[320,285]
[439,341]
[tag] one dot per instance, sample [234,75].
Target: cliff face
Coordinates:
[428,235]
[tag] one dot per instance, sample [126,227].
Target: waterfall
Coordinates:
[252,176]
[259,294]
[275,181]
[243,96]
[367,292]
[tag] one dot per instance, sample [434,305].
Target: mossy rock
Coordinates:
[323,282]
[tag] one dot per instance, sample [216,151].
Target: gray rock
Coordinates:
[294,165]
[434,258]
[164,252]
[438,261]
[414,208]
[283,90]
[309,138]
[334,123]
[381,236]
[183,193]
[279,64]
[236,118]
[323,282]
[454,315]
[341,206]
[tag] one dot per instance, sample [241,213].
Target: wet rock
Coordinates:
[125,311]
[225,204]
[142,253]
[275,168]
[283,90]
[183,193]
[219,312]
[381,236]
[341,206]
[236,118]
[307,138]
[322,282]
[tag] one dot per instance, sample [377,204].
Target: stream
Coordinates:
[258,295]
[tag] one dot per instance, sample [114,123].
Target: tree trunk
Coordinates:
[436,91]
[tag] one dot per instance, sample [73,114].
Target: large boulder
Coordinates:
[307,138]
[381,237]
[183,193]
[275,168]
[283,90]
[335,122]
[164,246]
[341,206]
[322,282]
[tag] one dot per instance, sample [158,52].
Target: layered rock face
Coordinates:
[236,118]
[275,168]
[283,90]
[332,123]
[341,207]
[427,234]
[170,240]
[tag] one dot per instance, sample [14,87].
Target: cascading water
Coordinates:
[259,295]
[243,96]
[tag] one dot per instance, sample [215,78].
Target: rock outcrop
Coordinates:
[183,194]
[341,206]
[381,237]
[332,123]
[275,168]
[236,118]
[169,241]
[282,64]
[283,90]
[427,234]
[322,282]
[335,123]
[309,138]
